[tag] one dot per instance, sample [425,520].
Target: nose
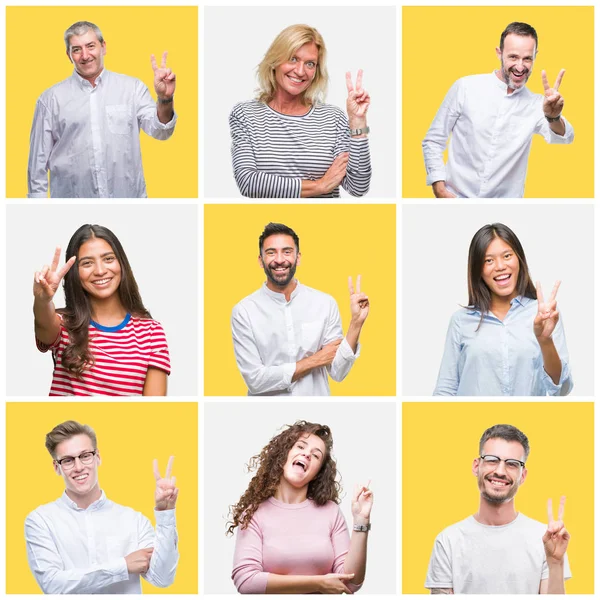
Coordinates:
[501,468]
[78,466]
[299,68]
[499,265]
[99,268]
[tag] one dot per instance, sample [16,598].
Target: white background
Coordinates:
[355,38]
[558,241]
[364,445]
[163,259]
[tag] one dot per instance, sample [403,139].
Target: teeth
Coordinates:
[80,477]
[101,281]
[501,277]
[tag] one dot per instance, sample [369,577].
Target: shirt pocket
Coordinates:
[119,546]
[119,119]
[311,336]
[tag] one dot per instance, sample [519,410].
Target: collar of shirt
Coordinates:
[97,505]
[278,296]
[500,83]
[84,83]
[518,300]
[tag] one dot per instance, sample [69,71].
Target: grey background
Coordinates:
[161,244]
[364,437]
[558,241]
[355,37]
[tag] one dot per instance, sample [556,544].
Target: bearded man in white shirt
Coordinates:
[288,337]
[85,130]
[491,119]
[84,543]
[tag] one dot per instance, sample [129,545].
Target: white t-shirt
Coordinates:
[472,558]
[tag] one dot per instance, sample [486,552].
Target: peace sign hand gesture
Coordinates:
[547,316]
[166,493]
[164,78]
[46,281]
[556,539]
[553,101]
[359,302]
[358,101]
[362,503]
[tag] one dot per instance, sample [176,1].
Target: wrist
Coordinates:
[357,122]
[545,342]
[165,99]
[555,563]
[361,521]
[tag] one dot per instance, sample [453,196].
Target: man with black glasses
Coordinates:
[497,550]
[83,543]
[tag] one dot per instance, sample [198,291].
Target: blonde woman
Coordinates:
[287,143]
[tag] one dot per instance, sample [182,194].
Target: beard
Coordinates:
[280,281]
[506,76]
[502,495]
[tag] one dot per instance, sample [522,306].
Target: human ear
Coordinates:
[475,467]
[499,53]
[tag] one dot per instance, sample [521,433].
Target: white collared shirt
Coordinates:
[88,138]
[82,551]
[270,335]
[491,138]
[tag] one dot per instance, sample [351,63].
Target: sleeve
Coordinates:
[251,182]
[344,357]
[49,570]
[247,574]
[340,540]
[159,352]
[259,379]
[165,557]
[436,139]
[147,116]
[358,171]
[565,383]
[439,572]
[41,142]
[543,128]
[449,375]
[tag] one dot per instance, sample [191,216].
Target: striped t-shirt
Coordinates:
[272,153]
[122,354]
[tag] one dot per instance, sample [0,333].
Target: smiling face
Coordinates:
[295,76]
[279,259]
[87,54]
[80,480]
[501,269]
[99,269]
[499,484]
[516,60]
[304,460]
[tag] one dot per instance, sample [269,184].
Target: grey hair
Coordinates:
[80,28]
[508,433]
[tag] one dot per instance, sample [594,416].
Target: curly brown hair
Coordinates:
[269,469]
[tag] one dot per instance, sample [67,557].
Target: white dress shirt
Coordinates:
[270,335]
[72,550]
[88,138]
[491,138]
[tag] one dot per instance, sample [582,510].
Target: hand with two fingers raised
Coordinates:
[359,302]
[166,493]
[362,503]
[164,78]
[358,101]
[547,315]
[46,281]
[553,101]
[556,539]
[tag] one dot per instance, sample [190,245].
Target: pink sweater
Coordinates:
[290,539]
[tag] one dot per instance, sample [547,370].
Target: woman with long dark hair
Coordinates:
[508,341]
[292,536]
[104,342]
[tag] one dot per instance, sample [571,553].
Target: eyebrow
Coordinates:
[75,456]
[285,248]
[101,256]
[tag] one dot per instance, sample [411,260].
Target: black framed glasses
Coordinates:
[491,461]
[85,458]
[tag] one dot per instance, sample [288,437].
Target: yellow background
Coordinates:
[335,241]
[442,44]
[130,436]
[439,443]
[36,60]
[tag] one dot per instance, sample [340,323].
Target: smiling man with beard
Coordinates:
[497,550]
[492,119]
[288,337]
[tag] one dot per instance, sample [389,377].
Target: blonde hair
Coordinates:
[65,431]
[281,50]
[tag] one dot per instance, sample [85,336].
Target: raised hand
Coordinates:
[362,503]
[553,101]
[359,302]
[164,78]
[547,316]
[166,493]
[556,539]
[334,175]
[46,281]
[333,583]
[358,101]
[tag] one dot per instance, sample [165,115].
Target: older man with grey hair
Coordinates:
[85,130]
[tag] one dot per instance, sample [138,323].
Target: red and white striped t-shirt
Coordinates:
[122,354]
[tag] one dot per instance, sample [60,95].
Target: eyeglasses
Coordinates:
[489,460]
[85,458]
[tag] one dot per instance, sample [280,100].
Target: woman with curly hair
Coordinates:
[104,342]
[292,536]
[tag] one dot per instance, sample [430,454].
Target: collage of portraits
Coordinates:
[254,254]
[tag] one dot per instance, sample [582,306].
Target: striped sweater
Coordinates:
[122,356]
[272,153]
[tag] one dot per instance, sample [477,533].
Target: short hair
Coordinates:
[65,431]
[505,432]
[275,228]
[522,29]
[281,50]
[80,28]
